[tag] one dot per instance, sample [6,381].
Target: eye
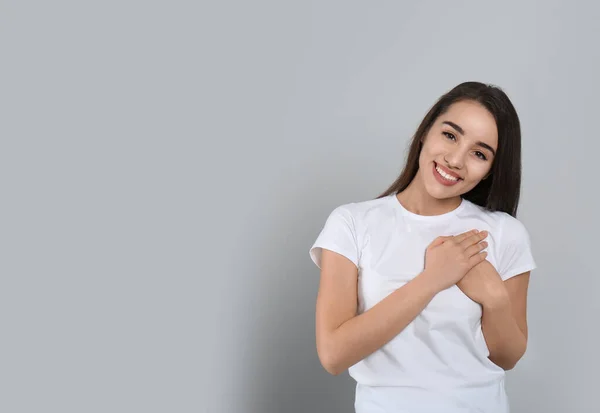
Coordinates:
[480,155]
[449,136]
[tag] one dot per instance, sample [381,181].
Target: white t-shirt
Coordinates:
[439,362]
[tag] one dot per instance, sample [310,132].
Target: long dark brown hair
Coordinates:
[500,191]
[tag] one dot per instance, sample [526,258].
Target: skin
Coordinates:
[455,153]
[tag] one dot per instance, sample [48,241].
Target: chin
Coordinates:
[437,192]
[442,193]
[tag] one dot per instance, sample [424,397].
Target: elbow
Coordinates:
[329,363]
[329,358]
[507,363]
[331,354]
[504,364]
[509,366]
[331,369]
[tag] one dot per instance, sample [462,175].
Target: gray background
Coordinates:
[167,165]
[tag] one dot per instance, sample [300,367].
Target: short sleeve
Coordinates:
[338,235]
[516,256]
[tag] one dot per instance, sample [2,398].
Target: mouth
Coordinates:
[444,177]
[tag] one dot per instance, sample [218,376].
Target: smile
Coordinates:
[444,177]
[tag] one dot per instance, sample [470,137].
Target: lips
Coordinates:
[448,172]
[443,180]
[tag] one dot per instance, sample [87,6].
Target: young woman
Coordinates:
[423,290]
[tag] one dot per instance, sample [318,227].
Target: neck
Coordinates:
[416,200]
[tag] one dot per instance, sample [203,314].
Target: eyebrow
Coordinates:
[462,132]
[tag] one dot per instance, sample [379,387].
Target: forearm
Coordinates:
[364,334]
[505,340]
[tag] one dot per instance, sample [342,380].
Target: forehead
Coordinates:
[476,121]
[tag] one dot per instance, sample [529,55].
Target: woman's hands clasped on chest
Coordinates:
[449,258]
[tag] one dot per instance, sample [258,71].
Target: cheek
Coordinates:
[423,157]
[429,152]
[477,171]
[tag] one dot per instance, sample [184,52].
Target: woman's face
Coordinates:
[458,150]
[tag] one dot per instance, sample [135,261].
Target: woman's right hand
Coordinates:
[448,259]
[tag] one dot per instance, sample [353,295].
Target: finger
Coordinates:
[477,258]
[474,249]
[438,241]
[473,239]
[460,237]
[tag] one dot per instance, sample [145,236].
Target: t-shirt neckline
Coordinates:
[430,218]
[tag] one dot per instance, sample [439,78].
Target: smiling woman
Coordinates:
[459,156]
[423,290]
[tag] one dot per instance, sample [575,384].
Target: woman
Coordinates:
[423,290]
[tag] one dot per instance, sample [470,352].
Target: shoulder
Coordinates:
[509,228]
[345,228]
[363,212]
[494,219]
[513,230]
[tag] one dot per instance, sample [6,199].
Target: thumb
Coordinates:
[438,241]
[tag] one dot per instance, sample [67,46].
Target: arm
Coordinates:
[504,322]
[343,338]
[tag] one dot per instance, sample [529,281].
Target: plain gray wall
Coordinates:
[167,165]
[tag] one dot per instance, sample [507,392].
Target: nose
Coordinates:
[455,159]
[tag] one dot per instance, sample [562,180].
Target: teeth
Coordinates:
[445,175]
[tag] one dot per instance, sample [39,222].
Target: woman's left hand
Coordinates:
[483,284]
